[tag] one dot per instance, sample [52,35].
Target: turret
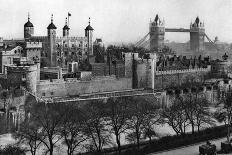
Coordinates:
[66,29]
[52,43]
[197,34]
[89,35]
[157,31]
[28,29]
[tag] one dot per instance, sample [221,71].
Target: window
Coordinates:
[23,77]
[9,59]
[43,94]
[52,93]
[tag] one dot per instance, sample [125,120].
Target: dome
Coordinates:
[28,24]
[66,27]
[89,28]
[51,26]
[197,20]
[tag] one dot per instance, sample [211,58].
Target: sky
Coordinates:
[117,20]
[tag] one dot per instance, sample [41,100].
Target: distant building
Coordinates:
[8,56]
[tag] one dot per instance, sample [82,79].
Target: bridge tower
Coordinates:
[156,31]
[197,35]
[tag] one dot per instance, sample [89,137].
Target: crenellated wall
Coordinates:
[177,77]
[73,87]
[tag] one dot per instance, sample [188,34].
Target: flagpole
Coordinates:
[68,19]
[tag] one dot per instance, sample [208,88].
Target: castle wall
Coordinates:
[74,87]
[103,69]
[164,79]
[210,94]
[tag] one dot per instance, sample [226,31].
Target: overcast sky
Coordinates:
[117,20]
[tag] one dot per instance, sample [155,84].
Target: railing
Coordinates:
[181,71]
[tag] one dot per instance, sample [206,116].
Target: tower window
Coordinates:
[52,93]
[43,94]
[23,77]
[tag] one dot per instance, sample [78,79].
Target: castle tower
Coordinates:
[156,31]
[89,35]
[66,29]
[28,29]
[23,76]
[52,44]
[197,35]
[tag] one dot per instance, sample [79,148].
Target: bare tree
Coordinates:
[150,120]
[73,127]
[95,125]
[175,117]
[49,118]
[29,134]
[203,116]
[141,119]
[117,117]
[224,111]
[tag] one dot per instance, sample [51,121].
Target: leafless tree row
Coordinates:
[95,124]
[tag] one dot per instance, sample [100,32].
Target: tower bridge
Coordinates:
[177,30]
[154,39]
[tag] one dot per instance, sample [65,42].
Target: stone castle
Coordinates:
[49,52]
[47,69]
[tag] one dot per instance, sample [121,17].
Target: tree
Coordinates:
[141,119]
[29,134]
[117,117]
[224,111]
[95,125]
[175,117]
[49,118]
[73,127]
[150,120]
[203,116]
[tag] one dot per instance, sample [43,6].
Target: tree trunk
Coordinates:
[51,148]
[138,141]
[118,143]
[150,139]
[192,128]
[228,133]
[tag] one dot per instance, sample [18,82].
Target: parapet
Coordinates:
[33,44]
[208,69]
[22,68]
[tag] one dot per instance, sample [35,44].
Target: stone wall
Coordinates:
[172,78]
[61,88]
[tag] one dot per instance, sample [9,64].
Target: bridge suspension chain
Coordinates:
[211,42]
[142,40]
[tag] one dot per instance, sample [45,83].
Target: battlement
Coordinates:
[157,24]
[71,38]
[33,44]
[208,69]
[23,68]
[197,24]
[38,38]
